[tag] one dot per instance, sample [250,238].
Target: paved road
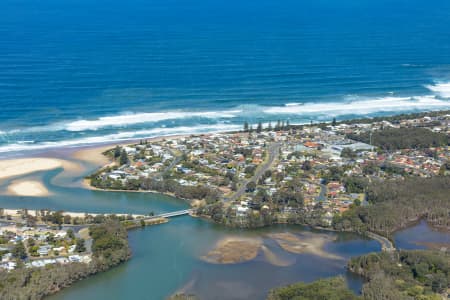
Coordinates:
[172,164]
[273,150]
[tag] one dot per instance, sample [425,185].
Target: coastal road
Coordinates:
[273,150]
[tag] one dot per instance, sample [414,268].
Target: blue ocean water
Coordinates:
[80,71]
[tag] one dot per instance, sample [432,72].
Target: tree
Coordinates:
[278,126]
[334,123]
[19,250]
[348,153]
[80,247]
[331,289]
[70,234]
[67,219]
[123,158]
[306,166]
[31,242]
[117,151]
[251,186]
[245,126]
[370,169]
[259,128]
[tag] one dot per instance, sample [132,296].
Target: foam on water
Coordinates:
[137,118]
[118,137]
[442,89]
[150,124]
[362,106]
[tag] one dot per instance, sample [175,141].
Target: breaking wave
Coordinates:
[131,126]
[118,137]
[442,89]
[362,106]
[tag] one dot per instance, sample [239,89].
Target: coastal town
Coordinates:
[27,241]
[339,176]
[37,238]
[255,177]
[224,150]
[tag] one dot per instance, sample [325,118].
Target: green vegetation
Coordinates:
[123,158]
[80,247]
[110,247]
[19,251]
[330,289]
[404,275]
[110,244]
[397,204]
[403,138]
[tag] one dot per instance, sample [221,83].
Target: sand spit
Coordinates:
[17,167]
[233,250]
[308,243]
[28,188]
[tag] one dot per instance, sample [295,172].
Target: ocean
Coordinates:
[79,72]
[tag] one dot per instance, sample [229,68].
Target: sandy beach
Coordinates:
[22,166]
[93,155]
[28,188]
[12,168]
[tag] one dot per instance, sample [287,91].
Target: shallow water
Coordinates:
[166,259]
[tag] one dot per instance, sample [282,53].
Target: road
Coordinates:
[172,164]
[273,152]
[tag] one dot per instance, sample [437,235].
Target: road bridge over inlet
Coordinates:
[171,214]
[386,245]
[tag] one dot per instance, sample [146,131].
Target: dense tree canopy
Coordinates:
[330,289]
[395,204]
[404,275]
[403,138]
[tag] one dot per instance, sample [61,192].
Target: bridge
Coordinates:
[386,245]
[171,214]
